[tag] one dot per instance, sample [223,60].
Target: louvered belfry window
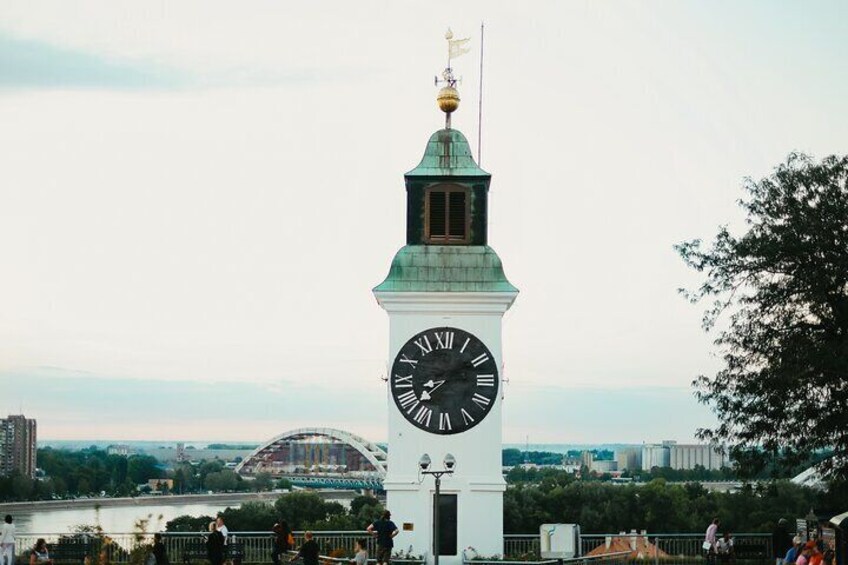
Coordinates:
[446,215]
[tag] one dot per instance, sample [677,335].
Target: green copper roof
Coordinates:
[447,154]
[446,268]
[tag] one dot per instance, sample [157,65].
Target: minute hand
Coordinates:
[430,384]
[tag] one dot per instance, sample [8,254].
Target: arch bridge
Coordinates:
[319,458]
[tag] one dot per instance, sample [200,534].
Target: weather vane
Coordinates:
[448,97]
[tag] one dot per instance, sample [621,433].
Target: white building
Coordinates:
[121,449]
[682,456]
[629,458]
[655,455]
[689,456]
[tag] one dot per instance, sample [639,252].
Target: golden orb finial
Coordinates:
[448,99]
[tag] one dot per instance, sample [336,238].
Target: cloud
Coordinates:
[26,63]
[36,64]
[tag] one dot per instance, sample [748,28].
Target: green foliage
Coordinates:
[262,482]
[186,523]
[658,506]
[15,486]
[251,517]
[284,484]
[224,480]
[83,472]
[302,510]
[699,473]
[781,392]
[512,456]
[141,468]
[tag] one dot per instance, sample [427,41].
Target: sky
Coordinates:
[196,199]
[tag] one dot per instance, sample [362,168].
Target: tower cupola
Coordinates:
[447,194]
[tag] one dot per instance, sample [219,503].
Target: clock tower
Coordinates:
[446,294]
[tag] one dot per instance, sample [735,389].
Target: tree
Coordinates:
[141,468]
[301,509]
[262,482]
[782,392]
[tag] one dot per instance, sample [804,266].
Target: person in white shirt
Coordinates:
[7,542]
[219,523]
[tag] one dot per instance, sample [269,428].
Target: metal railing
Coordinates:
[522,546]
[605,559]
[123,548]
[677,547]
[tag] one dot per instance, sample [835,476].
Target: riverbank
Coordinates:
[223,499]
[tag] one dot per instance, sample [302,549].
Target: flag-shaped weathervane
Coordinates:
[448,98]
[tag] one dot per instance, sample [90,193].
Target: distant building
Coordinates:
[586,459]
[655,455]
[182,457]
[689,456]
[629,458]
[604,466]
[121,449]
[571,461]
[682,456]
[158,485]
[18,446]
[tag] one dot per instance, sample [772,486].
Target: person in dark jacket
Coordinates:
[159,552]
[781,541]
[281,533]
[215,545]
[308,551]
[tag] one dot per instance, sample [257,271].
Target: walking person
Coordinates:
[215,545]
[385,530]
[781,541]
[308,551]
[7,542]
[159,551]
[710,540]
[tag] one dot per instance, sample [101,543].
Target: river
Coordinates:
[120,515]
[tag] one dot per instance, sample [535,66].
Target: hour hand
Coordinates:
[431,384]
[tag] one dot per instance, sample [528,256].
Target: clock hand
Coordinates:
[430,384]
[433,384]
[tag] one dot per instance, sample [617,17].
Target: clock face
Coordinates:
[444,380]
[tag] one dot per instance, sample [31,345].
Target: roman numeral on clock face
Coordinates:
[406,382]
[466,417]
[480,359]
[408,398]
[444,422]
[423,416]
[484,380]
[444,340]
[481,400]
[405,359]
[424,344]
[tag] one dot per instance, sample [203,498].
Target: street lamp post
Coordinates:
[449,464]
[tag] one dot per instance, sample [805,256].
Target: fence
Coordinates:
[674,549]
[682,549]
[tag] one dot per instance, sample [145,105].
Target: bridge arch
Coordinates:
[322,450]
